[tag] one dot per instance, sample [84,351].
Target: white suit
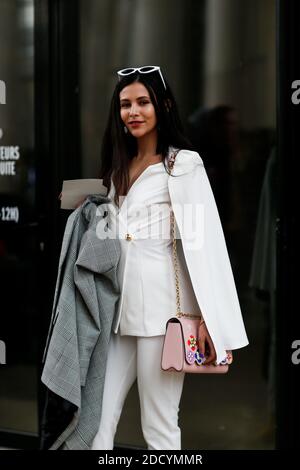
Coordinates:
[137,354]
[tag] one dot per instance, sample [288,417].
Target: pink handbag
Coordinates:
[180,349]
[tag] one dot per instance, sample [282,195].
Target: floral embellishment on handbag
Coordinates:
[228,359]
[192,342]
[193,355]
[199,358]
[190,357]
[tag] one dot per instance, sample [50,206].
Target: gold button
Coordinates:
[128,237]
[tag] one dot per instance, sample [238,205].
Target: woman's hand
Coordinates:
[206,346]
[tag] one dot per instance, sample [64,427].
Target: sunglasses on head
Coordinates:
[144,69]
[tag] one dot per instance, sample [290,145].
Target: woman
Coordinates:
[143,131]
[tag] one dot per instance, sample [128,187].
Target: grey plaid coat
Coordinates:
[85,301]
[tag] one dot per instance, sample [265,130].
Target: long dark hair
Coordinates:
[118,148]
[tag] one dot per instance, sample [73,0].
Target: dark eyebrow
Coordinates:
[139,98]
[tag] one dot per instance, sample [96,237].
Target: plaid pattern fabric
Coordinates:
[85,301]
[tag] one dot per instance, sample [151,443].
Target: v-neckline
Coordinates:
[151,164]
[136,180]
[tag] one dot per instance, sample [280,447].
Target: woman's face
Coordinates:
[136,105]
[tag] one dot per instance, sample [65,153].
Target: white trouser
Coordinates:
[131,357]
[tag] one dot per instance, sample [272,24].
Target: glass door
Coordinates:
[19,316]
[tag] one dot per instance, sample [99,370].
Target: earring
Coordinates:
[125,130]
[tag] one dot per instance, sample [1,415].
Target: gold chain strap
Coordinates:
[175,259]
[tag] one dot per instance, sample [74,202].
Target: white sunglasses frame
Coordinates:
[139,69]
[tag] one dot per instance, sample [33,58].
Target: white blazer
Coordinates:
[206,252]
